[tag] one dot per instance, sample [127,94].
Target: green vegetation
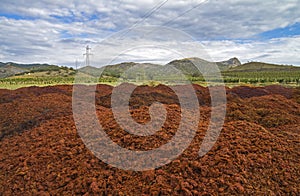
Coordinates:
[17,82]
[254,73]
[283,77]
[12,69]
[290,78]
[36,75]
[263,67]
[51,78]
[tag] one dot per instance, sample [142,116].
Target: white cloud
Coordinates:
[56,31]
[279,50]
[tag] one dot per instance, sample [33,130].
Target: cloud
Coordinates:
[276,50]
[57,31]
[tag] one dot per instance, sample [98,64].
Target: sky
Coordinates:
[57,32]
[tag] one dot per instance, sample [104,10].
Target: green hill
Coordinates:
[231,68]
[187,67]
[118,70]
[7,70]
[13,69]
[262,67]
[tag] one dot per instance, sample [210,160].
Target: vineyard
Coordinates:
[285,77]
[289,78]
[13,83]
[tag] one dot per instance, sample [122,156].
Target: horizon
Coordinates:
[61,65]
[142,62]
[57,33]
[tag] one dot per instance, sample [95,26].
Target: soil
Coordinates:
[257,152]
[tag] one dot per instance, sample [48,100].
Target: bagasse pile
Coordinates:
[258,150]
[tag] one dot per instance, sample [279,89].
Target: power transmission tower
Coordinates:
[87,55]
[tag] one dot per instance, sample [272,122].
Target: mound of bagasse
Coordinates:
[257,152]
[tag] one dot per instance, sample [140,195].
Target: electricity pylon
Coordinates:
[87,55]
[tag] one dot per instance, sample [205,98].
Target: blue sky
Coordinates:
[57,32]
[287,31]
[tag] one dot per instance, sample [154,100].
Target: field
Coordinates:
[256,153]
[230,79]
[13,76]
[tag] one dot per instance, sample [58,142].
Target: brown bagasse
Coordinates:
[258,150]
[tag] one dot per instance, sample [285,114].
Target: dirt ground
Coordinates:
[257,152]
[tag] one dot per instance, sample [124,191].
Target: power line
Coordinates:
[182,14]
[185,12]
[147,15]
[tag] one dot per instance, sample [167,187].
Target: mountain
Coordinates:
[233,62]
[262,67]
[118,70]
[174,68]
[225,65]
[10,69]
[7,70]
[185,66]
[93,71]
